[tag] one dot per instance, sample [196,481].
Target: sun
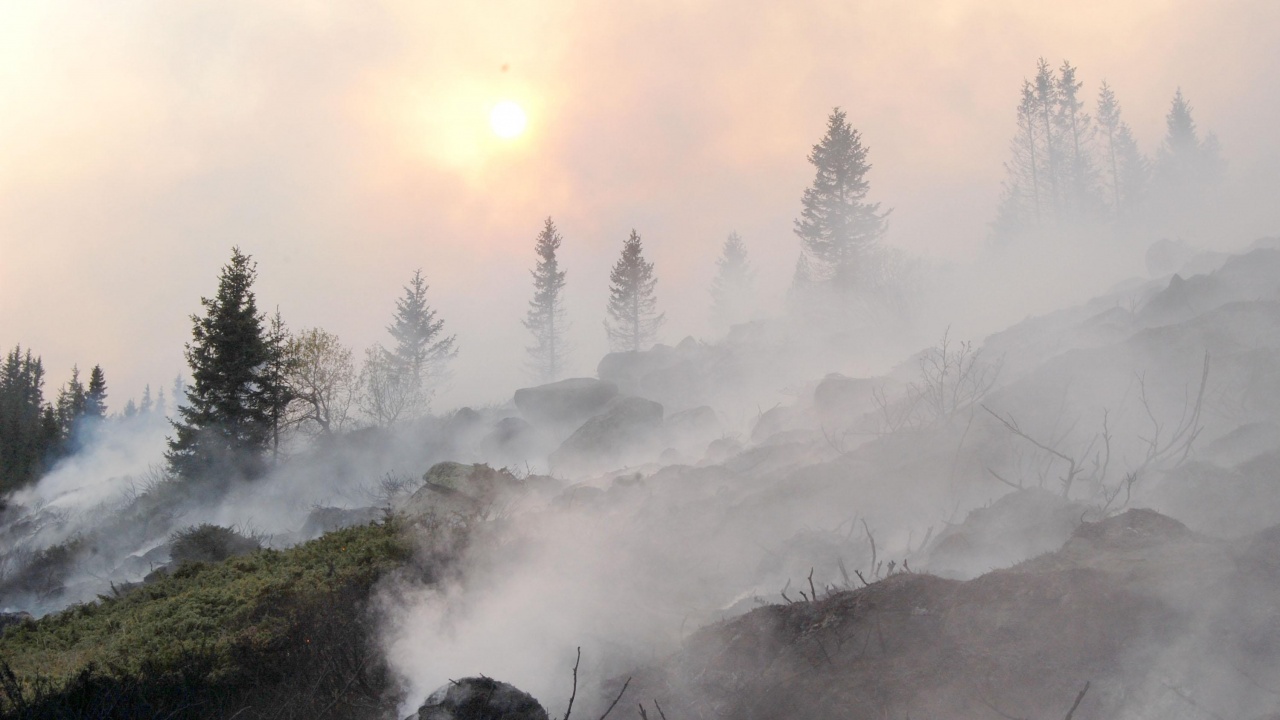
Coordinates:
[507,120]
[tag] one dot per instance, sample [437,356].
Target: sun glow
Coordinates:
[507,120]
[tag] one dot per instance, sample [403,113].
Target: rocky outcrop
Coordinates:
[1137,606]
[455,492]
[480,698]
[691,430]
[839,400]
[623,434]
[512,441]
[567,402]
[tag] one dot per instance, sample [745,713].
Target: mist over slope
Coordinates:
[687,485]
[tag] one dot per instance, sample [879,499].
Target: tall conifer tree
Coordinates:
[29,430]
[545,319]
[731,290]
[836,224]
[633,320]
[421,356]
[95,397]
[1125,167]
[70,404]
[225,425]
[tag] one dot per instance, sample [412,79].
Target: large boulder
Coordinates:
[567,402]
[692,429]
[460,493]
[480,698]
[512,441]
[680,377]
[839,400]
[624,434]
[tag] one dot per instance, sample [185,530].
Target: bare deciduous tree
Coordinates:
[322,378]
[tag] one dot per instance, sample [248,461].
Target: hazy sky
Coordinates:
[345,144]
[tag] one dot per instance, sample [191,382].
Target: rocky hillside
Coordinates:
[1144,617]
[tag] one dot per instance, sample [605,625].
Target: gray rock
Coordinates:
[457,492]
[773,421]
[480,698]
[511,441]
[838,400]
[692,429]
[567,402]
[622,434]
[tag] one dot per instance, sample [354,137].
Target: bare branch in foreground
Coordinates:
[1076,704]
[573,694]
[621,692]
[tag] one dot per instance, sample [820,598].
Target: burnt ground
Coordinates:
[1160,621]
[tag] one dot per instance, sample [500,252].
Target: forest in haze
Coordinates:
[1044,481]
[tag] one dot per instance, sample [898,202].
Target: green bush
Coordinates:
[209,544]
[271,633]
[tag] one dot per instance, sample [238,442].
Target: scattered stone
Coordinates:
[480,698]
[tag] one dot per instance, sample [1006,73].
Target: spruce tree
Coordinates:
[70,405]
[1075,127]
[145,405]
[633,320]
[276,393]
[179,392]
[732,289]
[225,426]
[29,430]
[1186,168]
[422,352]
[545,318]
[836,224]
[95,397]
[1022,200]
[1125,167]
[1047,95]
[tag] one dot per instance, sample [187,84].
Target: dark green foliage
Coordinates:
[209,544]
[30,433]
[545,319]
[633,320]
[272,634]
[837,225]
[71,404]
[95,398]
[227,422]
